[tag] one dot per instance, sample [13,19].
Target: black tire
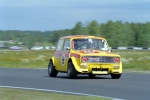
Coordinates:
[52,72]
[91,75]
[71,71]
[115,76]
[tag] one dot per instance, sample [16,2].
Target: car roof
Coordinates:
[82,36]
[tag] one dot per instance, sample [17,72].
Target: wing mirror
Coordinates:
[68,49]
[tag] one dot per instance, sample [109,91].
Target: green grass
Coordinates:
[132,59]
[18,94]
[25,59]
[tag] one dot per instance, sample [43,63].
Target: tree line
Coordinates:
[117,33]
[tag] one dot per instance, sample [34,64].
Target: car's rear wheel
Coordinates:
[115,76]
[71,71]
[52,72]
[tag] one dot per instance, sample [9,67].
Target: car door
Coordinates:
[57,54]
[65,55]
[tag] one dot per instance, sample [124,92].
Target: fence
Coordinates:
[131,48]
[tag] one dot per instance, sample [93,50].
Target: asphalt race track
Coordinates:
[131,86]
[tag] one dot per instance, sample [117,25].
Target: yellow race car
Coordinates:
[83,54]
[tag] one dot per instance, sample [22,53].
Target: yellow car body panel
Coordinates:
[104,61]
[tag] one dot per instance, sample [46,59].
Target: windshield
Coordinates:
[97,44]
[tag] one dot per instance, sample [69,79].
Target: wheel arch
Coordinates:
[73,60]
[53,60]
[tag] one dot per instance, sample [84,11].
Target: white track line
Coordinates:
[56,91]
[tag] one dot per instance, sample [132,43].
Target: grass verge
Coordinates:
[18,94]
[25,59]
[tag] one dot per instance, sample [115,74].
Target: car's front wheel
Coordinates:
[52,72]
[71,71]
[115,76]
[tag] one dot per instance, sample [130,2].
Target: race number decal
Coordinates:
[63,60]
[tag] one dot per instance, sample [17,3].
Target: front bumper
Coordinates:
[98,68]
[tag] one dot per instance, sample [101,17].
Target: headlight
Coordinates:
[83,65]
[116,67]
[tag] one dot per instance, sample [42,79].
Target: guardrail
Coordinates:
[115,48]
[131,48]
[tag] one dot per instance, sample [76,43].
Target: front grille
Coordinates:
[106,59]
[100,59]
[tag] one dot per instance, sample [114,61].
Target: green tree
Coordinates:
[108,32]
[146,35]
[128,36]
[78,29]
[94,28]
[29,40]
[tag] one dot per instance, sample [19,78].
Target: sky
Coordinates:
[49,15]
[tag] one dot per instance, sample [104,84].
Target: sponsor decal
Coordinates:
[75,55]
[88,51]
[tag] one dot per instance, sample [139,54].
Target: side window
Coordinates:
[104,45]
[101,44]
[59,45]
[66,44]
